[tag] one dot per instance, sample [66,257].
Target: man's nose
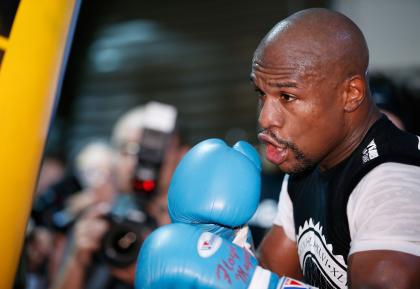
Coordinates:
[270,114]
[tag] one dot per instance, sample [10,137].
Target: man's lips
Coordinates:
[268,139]
[275,153]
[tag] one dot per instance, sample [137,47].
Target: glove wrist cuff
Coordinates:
[263,279]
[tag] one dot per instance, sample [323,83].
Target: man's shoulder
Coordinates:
[383,210]
[386,143]
[393,173]
[390,181]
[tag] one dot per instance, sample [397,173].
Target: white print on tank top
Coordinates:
[319,265]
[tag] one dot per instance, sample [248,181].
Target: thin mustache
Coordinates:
[278,140]
[299,154]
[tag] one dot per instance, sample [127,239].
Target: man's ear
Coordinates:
[354,92]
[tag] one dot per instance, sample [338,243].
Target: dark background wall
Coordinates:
[195,55]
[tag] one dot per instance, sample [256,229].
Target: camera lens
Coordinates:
[121,244]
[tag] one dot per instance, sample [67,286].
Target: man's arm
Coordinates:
[88,233]
[279,254]
[383,269]
[384,213]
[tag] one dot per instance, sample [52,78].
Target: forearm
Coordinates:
[281,267]
[278,254]
[86,239]
[72,275]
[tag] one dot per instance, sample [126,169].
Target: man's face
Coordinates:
[300,109]
[126,160]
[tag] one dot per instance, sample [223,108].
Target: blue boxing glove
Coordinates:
[216,187]
[185,257]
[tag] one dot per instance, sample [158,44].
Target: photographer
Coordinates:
[36,256]
[93,167]
[97,257]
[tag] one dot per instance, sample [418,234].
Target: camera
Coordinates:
[130,224]
[47,208]
[159,125]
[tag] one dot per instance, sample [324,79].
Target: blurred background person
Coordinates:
[89,181]
[385,94]
[106,238]
[95,171]
[86,213]
[125,140]
[37,255]
[52,170]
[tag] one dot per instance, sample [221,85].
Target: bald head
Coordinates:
[310,74]
[317,39]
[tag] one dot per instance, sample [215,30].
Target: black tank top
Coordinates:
[320,201]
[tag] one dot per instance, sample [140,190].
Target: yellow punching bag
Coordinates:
[33,49]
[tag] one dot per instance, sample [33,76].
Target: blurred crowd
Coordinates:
[91,214]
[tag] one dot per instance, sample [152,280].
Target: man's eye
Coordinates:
[287,97]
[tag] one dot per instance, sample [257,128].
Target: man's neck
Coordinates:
[357,129]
